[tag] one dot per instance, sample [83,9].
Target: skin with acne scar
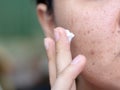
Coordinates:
[96,26]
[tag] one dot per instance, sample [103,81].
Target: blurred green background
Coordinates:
[21,44]
[18,18]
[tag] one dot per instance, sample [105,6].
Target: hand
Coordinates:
[62,69]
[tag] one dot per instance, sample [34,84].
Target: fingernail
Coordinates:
[57,36]
[46,43]
[77,59]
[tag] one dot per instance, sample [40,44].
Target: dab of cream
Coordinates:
[70,35]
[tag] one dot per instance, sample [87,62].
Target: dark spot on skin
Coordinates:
[118,31]
[92,52]
[84,33]
[88,32]
[93,63]
[93,42]
[110,73]
[113,32]
[92,29]
[114,53]
[118,54]
[108,38]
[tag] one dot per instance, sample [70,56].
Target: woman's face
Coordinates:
[96,25]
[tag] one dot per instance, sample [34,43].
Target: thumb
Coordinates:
[67,76]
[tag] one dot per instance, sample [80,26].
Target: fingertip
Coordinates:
[77,65]
[79,58]
[59,28]
[48,42]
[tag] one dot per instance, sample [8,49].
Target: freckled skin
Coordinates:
[96,25]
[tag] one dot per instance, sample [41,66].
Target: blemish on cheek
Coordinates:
[93,63]
[85,34]
[118,31]
[110,73]
[113,32]
[92,52]
[88,32]
[93,42]
[115,53]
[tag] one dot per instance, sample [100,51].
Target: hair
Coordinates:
[49,4]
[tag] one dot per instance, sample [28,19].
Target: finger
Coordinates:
[50,48]
[69,74]
[63,49]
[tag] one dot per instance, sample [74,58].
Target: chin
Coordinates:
[102,76]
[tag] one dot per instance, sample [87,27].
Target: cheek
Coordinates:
[95,29]
[95,34]
[98,38]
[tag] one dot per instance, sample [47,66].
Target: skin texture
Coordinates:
[96,25]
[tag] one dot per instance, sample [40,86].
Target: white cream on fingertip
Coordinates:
[70,35]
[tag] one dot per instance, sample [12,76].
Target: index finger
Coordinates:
[62,49]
